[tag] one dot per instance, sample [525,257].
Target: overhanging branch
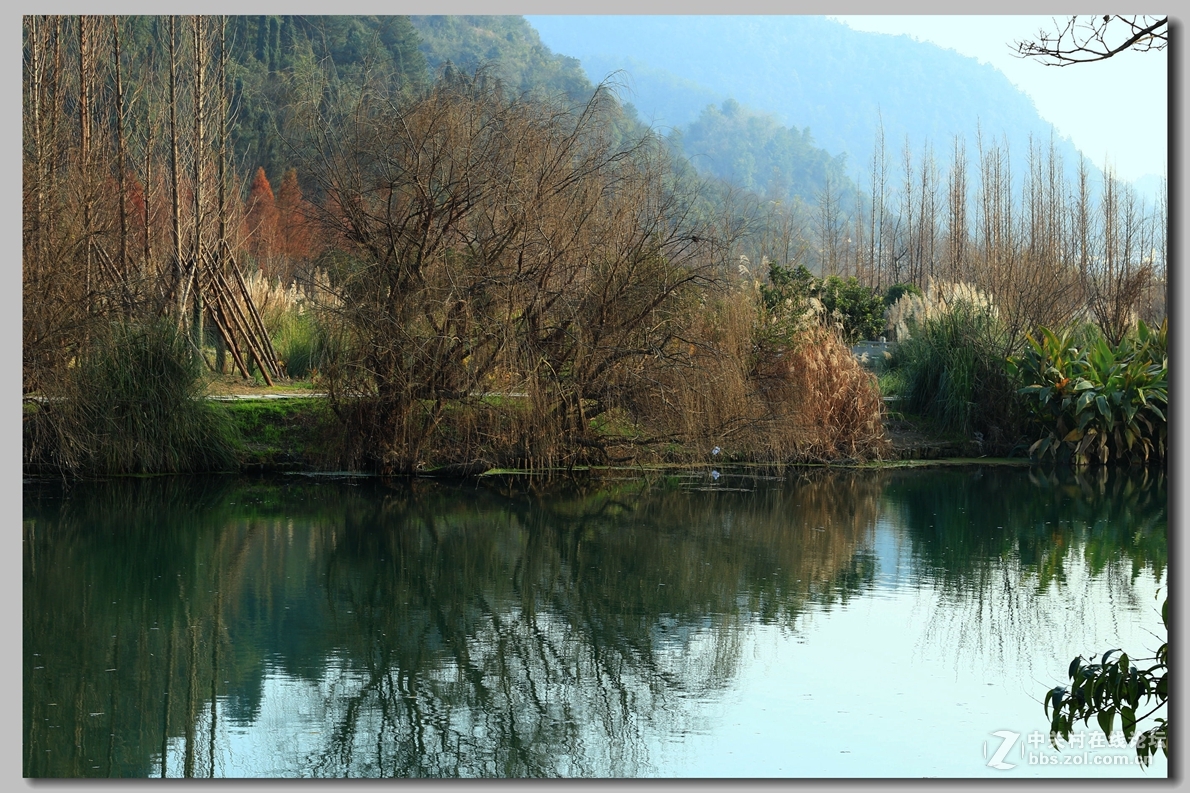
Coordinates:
[1095,38]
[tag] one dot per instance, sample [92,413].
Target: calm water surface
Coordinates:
[828,624]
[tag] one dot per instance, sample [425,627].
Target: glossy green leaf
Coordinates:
[1106,720]
[1128,722]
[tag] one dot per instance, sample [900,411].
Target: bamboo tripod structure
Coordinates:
[229,305]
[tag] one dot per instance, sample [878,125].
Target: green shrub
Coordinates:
[1096,402]
[787,288]
[897,291]
[855,309]
[300,343]
[131,404]
[892,382]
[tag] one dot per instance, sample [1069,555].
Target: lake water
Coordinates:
[816,624]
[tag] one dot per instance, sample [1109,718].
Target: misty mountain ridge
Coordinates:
[815,76]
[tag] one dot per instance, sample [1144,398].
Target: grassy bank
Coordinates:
[282,434]
[138,403]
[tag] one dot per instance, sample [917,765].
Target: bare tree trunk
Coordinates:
[199,158]
[957,223]
[927,216]
[221,178]
[907,246]
[175,191]
[1082,219]
[84,150]
[147,263]
[858,243]
[828,232]
[33,97]
[879,182]
[121,166]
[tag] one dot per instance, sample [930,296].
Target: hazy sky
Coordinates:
[1114,109]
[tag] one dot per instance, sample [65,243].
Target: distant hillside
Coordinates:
[748,149]
[671,101]
[808,72]
[751,149]
[507,44]
[265,51]
[754,151]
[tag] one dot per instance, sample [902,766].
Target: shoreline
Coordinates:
[291,432]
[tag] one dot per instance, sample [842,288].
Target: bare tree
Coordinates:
[876,231]
[498,244]
[957,222]
[1115,286]
[1120,269]
[1083,39]
[830,229]
[175,175]
[118,152]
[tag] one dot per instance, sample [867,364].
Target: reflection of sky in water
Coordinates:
[870,692]
[904,679]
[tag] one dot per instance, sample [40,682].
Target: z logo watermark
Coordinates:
[1009,740]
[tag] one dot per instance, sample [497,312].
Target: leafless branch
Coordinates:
[1083,39]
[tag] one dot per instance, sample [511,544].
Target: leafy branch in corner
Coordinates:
[1115,686]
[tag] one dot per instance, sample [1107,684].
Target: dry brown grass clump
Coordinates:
[809,401]
[832,405]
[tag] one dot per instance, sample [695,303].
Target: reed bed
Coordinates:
[952,371]
[294,317]
[807,401]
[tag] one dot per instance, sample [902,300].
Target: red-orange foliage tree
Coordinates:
[260,219]
[294,238]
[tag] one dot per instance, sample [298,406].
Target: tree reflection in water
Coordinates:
[1014,581]
[541,634]
[304,627]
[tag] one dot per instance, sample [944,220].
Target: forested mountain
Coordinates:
[753,151]
[269,54]
[809,72]
[506,44]
[743,147]
[663,99]
[270,57]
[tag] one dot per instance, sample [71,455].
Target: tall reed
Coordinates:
[293,316]
[952,370]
